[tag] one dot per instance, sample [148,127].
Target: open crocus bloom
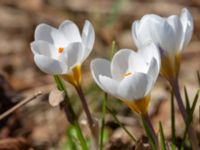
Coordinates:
[130,76]
[172,34]
[61,51]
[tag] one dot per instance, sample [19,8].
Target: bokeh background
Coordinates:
[42,127]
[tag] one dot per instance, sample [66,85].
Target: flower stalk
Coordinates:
[69,112]
[93,124]
[149,129]
[191,133]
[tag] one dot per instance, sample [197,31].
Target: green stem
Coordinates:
[103,120]
[69,113]
[120,124]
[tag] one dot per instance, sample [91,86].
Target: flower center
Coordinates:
[127,74]
[60,49]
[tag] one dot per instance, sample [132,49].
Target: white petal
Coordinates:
[137,63]
[49,65]
[154,69]
[100,67]
[88,35]
[110,85]
[152,17]
[143,32]
[187,23]
[135,30]
[70,31]
[119,64]
[156,29]
[135,87]
[44,48]
[176,25]
[50,34]
[72,54]
[149,52]
[162,33]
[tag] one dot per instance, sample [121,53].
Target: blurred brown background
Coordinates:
[112,20]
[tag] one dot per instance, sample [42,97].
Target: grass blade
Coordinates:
[163,145]
[194,102]
[113,49]
[120,124]
[71,144]
[148,132]
[187,100]
[80,136]
[173,147]
[198,77]
[190,117]
[103,120]
[115,11]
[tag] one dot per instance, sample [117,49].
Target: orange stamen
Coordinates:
[60,50]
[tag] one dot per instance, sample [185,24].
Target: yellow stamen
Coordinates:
[74,77]
[127,74]
[60,50]
[140,106]
[170,70]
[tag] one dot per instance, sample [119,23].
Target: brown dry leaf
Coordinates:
[14,144]
[142,144]
[118,144]
[55,97]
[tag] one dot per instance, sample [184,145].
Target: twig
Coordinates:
[20,104]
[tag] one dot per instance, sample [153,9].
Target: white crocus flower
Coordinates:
[130,76]
[172,34]
[62,51]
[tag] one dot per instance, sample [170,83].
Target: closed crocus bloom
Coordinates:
[172,34]
[130,76]
[62,51]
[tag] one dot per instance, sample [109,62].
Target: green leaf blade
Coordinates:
[162,137]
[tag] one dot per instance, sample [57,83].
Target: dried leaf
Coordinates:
[14,144]
[56,97]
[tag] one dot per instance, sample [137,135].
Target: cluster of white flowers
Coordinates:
[131,75]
